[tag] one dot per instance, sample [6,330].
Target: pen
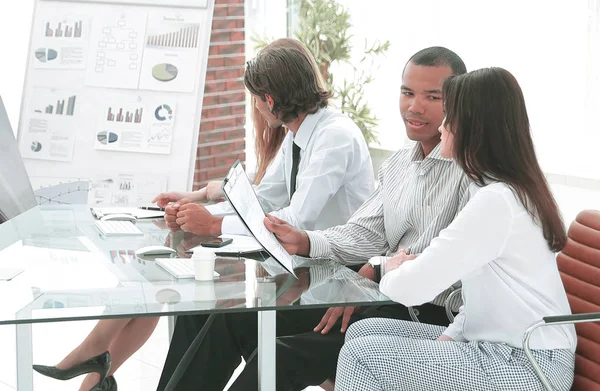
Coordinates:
[156,208]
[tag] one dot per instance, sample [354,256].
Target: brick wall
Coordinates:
[221,140]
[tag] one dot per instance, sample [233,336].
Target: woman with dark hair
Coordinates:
[501,246]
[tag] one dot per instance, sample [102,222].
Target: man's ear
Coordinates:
[270,102]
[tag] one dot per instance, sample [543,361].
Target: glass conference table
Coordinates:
[71,272]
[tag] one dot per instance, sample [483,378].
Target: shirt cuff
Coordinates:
[220,209]
[455,330]
[319,245]
[232,225]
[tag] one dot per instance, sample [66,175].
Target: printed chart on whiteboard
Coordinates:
[60,43]
[171,51]
[117,43]
[144,125]
[49,133]
[125,189]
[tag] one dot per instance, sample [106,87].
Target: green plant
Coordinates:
[323,26]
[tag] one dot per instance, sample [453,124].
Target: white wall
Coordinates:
[265,19]
[15,25]
[545,45]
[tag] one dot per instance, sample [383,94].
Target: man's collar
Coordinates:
[307,127]
[417,154]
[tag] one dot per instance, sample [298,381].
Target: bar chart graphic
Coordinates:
[184,37]
[58,107]
[125,116]
[63,29]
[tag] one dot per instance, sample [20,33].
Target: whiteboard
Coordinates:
[113,95]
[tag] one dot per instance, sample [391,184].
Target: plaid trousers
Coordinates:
[389,354]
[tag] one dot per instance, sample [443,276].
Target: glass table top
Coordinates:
[71,272]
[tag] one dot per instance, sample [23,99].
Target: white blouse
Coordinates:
[509,275]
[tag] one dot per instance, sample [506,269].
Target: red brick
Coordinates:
[216,86]
[212,137]
[228,48]
[220,12]
[234,61]
[224,74]
[206,126]
[229,2]
[216,112]
[235,10]
[211,100]
[214,62]
[234,85]
[221,36]
[228,24]
[232,97]
[236,36]
[238,109]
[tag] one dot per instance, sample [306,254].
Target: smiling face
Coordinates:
[421,103]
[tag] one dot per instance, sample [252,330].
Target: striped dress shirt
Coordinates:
[417,197]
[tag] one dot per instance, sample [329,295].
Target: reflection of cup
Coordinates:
[204,264]
[205,297]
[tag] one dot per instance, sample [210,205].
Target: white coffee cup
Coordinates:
[204,264]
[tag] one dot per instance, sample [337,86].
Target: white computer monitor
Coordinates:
[16,193]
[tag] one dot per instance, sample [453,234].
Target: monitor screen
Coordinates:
[16,193]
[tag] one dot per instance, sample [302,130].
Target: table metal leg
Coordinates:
[171,320]
[24,357]
[267,338]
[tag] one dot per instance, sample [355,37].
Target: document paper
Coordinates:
[241,195]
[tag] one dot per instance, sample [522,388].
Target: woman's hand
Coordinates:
[397,260]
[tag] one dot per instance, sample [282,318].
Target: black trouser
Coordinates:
[303,358]
[229,338]
[310,358]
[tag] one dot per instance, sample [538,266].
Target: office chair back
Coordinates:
[579,265]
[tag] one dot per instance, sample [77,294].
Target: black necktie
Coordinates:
[295,163]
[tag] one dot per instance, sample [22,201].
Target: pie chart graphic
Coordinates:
[45,55]
[164,72]
[107,137]
[163,113]
[36,146]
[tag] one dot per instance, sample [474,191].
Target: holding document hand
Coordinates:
[292,239]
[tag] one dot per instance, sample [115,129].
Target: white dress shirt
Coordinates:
[335,175]
[509,274]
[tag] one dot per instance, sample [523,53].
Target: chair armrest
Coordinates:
[449,313]
[553,321]
[575,318]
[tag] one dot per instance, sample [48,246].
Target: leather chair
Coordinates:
[579,265]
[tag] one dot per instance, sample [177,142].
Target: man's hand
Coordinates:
[397,260]
[334,313]
[171,217]
[444,338]
[331,317]
[291,238]
[214,192]
[196,219]
[163,199]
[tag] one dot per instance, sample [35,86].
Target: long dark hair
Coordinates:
[485,111]
[288,76]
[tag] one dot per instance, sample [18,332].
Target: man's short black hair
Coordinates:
[437,56]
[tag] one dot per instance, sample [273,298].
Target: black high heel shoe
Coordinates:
[109,384]
[99,364]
